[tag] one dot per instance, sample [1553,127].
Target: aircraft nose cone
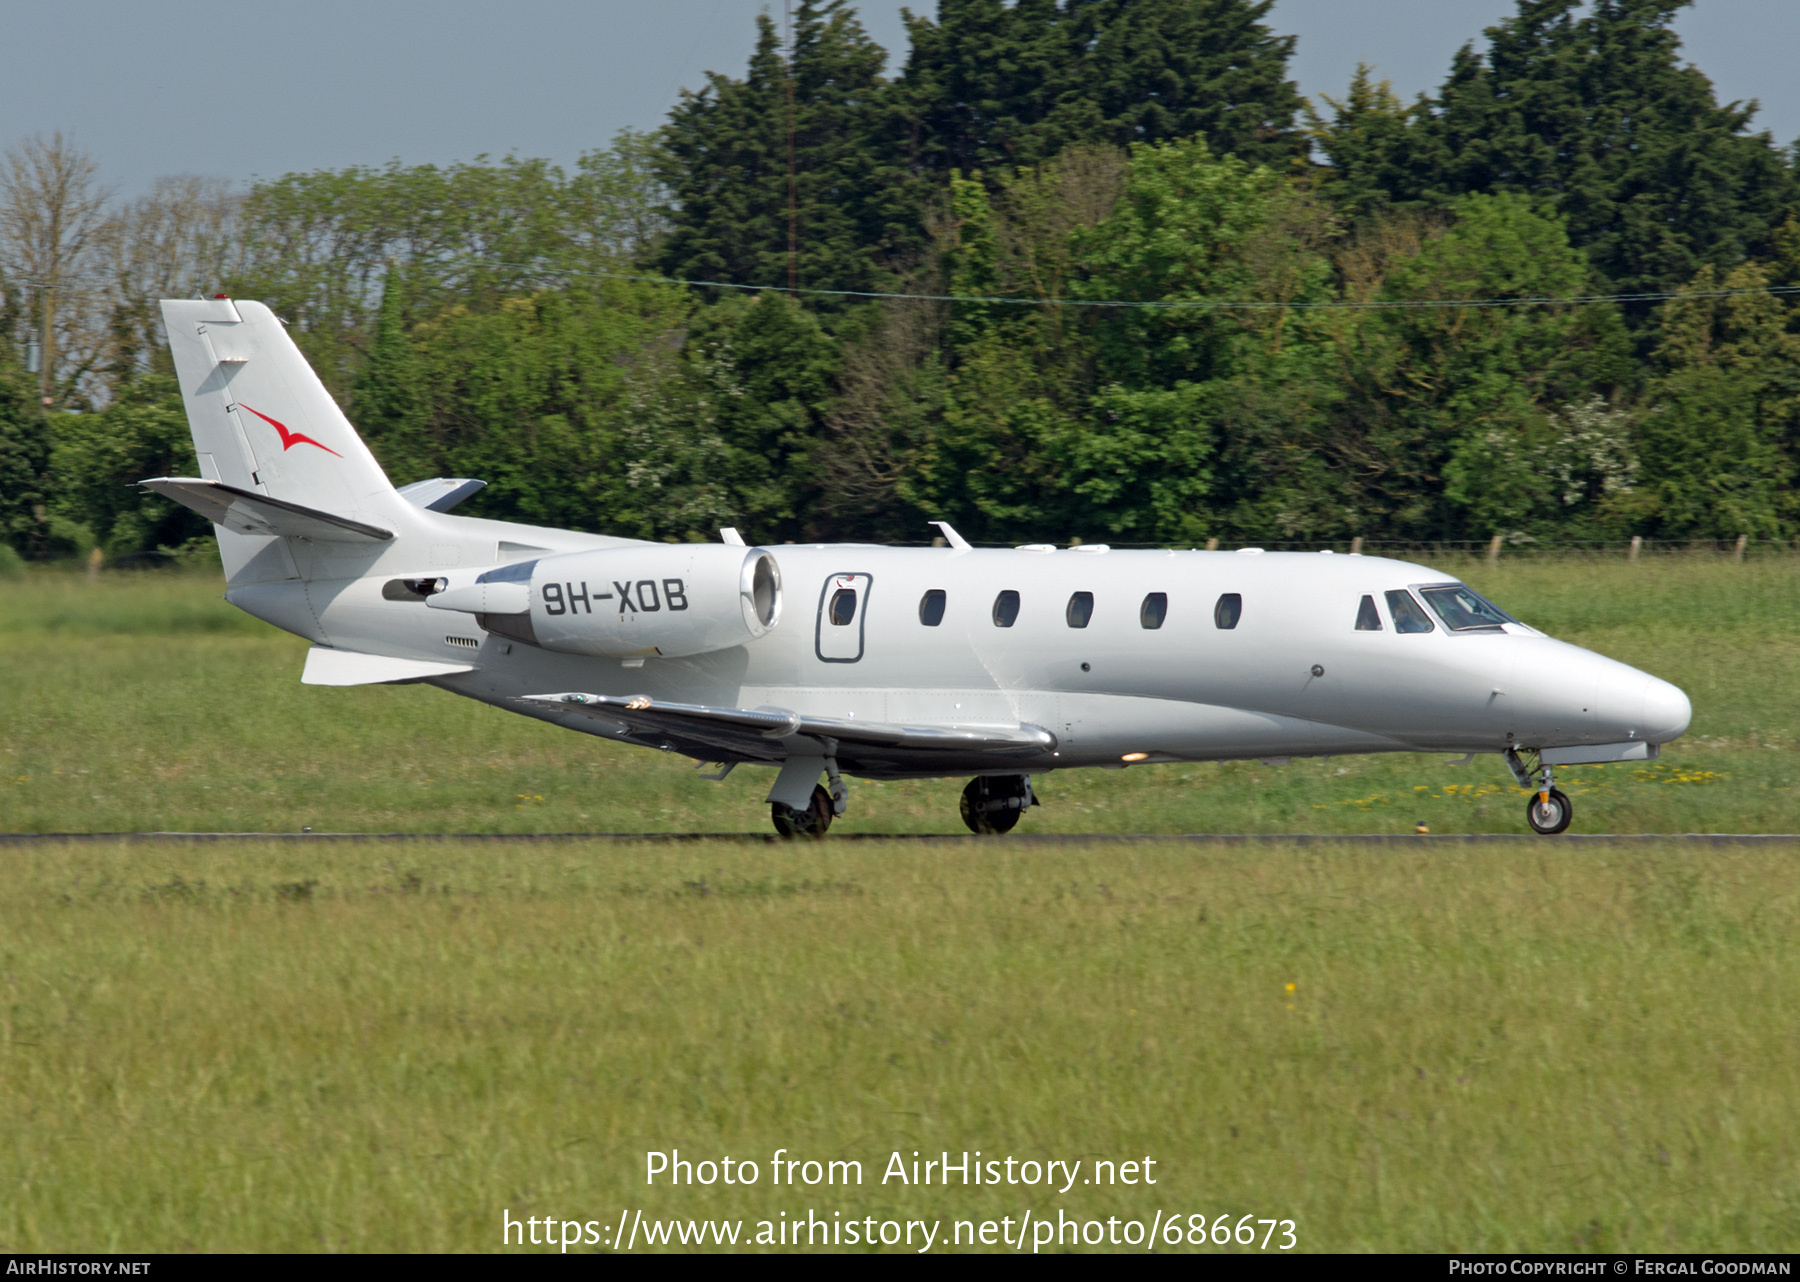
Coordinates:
[1666,711]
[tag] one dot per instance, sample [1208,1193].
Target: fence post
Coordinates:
[1637,545]
[1356,546]
[1494,550]
[1742,540]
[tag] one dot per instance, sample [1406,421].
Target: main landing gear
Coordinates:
[811,821]
[1549,810]
[992,804]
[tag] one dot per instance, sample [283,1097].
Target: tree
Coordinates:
[855,219]
[1054,421]
[52,216]
[24,460]
[1725,404]
[618,202]
[392,404]
[761,371]
[1653,176]
[177,240]
[995,85]
[318,247]
[535,395]
[1370,144]
[98,456]
[1445,405]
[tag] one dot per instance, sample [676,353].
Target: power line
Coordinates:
[1198,304]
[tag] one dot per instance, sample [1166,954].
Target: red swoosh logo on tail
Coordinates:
[289,439]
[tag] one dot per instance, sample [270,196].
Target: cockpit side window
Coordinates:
[1368,618]
[931,607]
[1408,617]
[1463,610]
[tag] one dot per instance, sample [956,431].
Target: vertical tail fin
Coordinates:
[261,418]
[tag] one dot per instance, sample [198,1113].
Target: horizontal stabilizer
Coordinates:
[246,512]
[441,493]
[757,733]
[328,667]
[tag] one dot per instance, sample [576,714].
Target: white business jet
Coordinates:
[852,659]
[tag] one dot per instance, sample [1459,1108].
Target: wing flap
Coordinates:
[246,512]
[758,730]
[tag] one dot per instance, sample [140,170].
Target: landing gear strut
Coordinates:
[992,804]
[1549,810]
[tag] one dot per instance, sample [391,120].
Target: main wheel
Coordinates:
[992,805]
[1549,816]
[810,822]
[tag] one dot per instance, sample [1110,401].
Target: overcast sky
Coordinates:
[242,88]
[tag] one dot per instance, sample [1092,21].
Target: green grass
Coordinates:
[263,1046]
[143,702]
[250,1046]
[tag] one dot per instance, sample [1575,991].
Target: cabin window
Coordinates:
[1408,617]
[1154,610]
[843,607]
[1462,610]
[1228,611]
[931,607]
[1368,618]
[1006,609]
[1081,609]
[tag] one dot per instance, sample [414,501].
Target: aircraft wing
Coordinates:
[757,734]
[247,512]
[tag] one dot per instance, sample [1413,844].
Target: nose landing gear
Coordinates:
[992,804]
[1549,810]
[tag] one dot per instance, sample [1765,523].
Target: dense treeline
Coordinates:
[539,328]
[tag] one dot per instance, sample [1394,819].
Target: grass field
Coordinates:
[253,1047]
[144,702]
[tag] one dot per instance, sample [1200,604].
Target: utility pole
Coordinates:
[47,375]
[787,32]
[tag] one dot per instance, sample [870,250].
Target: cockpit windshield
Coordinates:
[1463,610]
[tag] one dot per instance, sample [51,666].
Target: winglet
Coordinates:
[951,537]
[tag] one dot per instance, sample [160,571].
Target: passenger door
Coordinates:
[843,609]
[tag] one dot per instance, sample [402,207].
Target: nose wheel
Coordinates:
[1549,810]
[992,804]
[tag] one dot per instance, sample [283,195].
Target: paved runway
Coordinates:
[1013,839]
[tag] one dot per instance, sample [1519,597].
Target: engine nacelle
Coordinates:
[672,600]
